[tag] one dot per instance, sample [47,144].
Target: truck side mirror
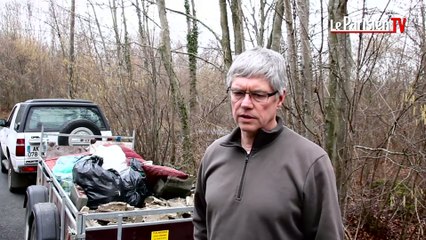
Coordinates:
[3,123]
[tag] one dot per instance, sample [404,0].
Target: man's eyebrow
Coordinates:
[245,90]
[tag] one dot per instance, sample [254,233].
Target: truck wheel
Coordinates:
[35,194]
[12,179]
[45,222]
[2,156]
[3,168]
[80,126]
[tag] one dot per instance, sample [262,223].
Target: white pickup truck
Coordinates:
[20,133]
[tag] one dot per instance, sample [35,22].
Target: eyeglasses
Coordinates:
[258,96]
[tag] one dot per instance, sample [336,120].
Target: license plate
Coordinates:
[33,151]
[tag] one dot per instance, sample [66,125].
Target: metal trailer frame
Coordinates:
[73,222]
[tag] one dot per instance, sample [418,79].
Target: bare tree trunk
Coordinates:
[98,26]
[113,8]
[226,43]
[57,28]
[257,24]
[306,71]
[422,30]
[337,142]
[126,48]
[261,30]
[71,86]
[294,82]
[143,32]
[275,40]
[165,50]
[120,73]
[237,23]
[192,39]
[319,79]
[117,73]
[153,133]
[127,98]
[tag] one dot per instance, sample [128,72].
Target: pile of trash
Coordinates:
[151,202]
[113,173]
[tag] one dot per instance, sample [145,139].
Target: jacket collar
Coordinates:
[262,138]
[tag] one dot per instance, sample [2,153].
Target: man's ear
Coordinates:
[281,99]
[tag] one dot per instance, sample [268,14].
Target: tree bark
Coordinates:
[71,83]
[57,28]
[337,142]
[98,26]
[259,29]
[149,65]
[306,71]
[237,23]
[275,42]
[128,67]
[225,42]
[293,76]
[192,39]
[126,48]
[165,51]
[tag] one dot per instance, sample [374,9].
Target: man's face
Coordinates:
[249,114]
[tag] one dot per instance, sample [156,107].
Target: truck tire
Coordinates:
[35,194]
[3,168]
[80,126]
[2,157]
[12,179]
[45,222]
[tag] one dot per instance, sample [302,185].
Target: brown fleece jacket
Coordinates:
[284,189]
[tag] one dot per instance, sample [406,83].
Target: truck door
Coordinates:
[6,131]
[14,121]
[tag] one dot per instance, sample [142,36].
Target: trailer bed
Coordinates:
[72,223]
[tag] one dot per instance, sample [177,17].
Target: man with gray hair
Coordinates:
[263,181]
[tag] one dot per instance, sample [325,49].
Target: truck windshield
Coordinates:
[54,118]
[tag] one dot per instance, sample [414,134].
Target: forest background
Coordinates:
[158,68]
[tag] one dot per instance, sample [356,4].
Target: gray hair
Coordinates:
[259,62]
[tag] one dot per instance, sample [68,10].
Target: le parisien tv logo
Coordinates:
[348,25]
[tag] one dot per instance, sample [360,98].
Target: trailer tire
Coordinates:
[45,224]
[80,126]
[35,194]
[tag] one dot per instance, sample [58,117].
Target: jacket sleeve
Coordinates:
[322,219]
[199,216]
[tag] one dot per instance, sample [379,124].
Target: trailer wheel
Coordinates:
[80,126]
[35,194]
[45,223]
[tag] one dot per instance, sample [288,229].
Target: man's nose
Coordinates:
[247,101]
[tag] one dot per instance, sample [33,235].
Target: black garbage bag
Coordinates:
[134,186]
[100,185]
